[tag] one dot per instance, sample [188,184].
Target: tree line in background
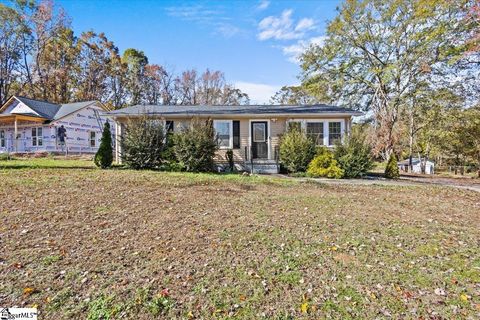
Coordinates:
[42,58]
[413,66]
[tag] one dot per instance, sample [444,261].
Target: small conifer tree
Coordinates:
[391,170]
[104,156]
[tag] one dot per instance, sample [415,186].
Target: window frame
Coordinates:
[322,133]
[94,140]
[330,142]
[326,124]
[2,138]
[37,139]
[230,133]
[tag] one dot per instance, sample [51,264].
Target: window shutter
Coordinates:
[236,134]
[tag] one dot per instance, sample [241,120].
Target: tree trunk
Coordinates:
[410,142]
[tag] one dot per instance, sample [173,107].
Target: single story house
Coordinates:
[417,166]
[253,132]
[30,126]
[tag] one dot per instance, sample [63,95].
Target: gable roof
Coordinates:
[44,109]
[66,109]
[51,111]
[244,110]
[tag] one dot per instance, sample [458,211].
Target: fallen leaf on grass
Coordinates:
[304,307]
[464,297]
[28,291]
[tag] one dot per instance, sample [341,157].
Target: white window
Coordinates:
[334,133]
[2,138]
[315,132]
[37,137]
[93,139]
[223,129]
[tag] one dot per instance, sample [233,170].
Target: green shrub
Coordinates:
[354,157]
[143,143]
[296,150]
[391,170]
[195,146]
[104,156]
[324,165]
[229,158]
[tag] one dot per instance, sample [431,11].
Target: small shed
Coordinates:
[416,166]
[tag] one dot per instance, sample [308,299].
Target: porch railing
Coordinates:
[249,160]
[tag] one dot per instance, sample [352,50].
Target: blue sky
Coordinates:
[253,42]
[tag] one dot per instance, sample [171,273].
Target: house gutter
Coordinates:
[229,115]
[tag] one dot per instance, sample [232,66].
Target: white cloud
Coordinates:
[294,51]
[196,13]
[227,30]
[211,17]
[283,27]
[305,24]
[259,93]
[263,5]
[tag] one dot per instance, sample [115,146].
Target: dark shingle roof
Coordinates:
[233,110]
[44,109]
[52,111]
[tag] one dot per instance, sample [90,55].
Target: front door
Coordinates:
[259,136]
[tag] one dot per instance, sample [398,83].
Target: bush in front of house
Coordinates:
[354,157]
[195,146]
[169,160]
[324,165]
[230,160]
[391,170]
[104,156]
[143,143]
[296,150]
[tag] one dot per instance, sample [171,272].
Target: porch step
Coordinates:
[259,166]
[262,166]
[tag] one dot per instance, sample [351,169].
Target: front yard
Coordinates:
[79,242]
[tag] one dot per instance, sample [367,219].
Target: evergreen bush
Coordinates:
[104,156]
[143,143]
[296,150]
[354,157]
[195,146]
[391,170]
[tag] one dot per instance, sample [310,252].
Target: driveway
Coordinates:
[405,180]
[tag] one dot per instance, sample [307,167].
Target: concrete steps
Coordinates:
[262,166]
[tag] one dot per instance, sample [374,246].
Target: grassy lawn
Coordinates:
[79,242]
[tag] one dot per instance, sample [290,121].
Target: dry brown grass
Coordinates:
[97,244]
